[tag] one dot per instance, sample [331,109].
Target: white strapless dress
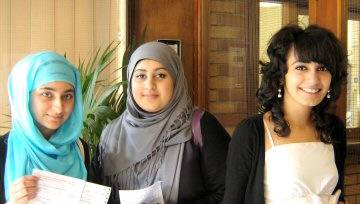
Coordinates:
[300,173]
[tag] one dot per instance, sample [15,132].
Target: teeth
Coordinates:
[311,90]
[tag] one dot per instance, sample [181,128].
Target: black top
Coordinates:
[246,160]
[202,176]
[3,151]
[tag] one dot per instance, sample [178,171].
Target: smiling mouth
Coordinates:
[310,91]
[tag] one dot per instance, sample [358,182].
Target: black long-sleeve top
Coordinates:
[202,176]
[246,161]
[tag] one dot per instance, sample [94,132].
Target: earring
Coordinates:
[328,94]
[279,93]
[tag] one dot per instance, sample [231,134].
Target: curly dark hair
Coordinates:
[312,44]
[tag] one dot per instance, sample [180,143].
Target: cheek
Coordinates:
[70,106]
[327,81]
[136,90]
[168,89]
[36,107]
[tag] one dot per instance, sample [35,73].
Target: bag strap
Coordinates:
[196,127]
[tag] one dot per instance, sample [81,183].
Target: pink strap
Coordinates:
[196,127]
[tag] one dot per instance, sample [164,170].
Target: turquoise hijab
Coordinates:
[27,148]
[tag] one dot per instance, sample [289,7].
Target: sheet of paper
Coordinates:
[56,189]
[95,194]
[149,195]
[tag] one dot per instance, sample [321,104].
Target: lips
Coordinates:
[150,96]
[310,90]
[55,119]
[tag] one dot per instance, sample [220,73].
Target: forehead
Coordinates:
[149,65]
[57,86]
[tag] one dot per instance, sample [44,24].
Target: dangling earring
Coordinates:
[328,94]
[279,93]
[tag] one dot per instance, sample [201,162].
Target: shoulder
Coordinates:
[253,125]
[208,118]
[210,125]
[112,128]
[249,130]
[213,133]
[3,148]
[3,141]
[85,151]
[84,143]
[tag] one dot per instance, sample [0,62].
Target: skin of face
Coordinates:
[306,84]
[51,105]
[152,85]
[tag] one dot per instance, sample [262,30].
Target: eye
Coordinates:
[68,96]
[140,76]
[47,94]
[322,68]
[301,67]
[161,76]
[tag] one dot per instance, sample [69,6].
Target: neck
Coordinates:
[46,132]
[297,115]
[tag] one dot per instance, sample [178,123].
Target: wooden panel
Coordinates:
[84,28]
[289,13]
[156,14]
[252,55]
[5,66]
[20,29]
[64,28]
[200,53]
[42,25]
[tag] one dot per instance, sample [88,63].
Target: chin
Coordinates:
[312,104]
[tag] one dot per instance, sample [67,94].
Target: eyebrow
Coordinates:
[144,70]
[71,90]
[296,61]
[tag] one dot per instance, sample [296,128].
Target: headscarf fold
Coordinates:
[27,148]
[139,147]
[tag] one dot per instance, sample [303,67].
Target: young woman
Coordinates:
[46,113]
[294,152]
[152,140]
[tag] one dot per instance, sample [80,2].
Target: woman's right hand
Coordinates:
[23,190]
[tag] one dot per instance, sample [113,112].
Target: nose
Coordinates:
[58,106]
[313,76]
[150,84]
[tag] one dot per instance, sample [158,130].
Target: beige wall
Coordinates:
[77,27]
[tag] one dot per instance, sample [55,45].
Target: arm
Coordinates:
[340,154]
[213,159]
[239,163]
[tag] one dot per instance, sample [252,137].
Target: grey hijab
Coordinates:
[139,147]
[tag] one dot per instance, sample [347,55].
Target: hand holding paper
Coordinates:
[54,188]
